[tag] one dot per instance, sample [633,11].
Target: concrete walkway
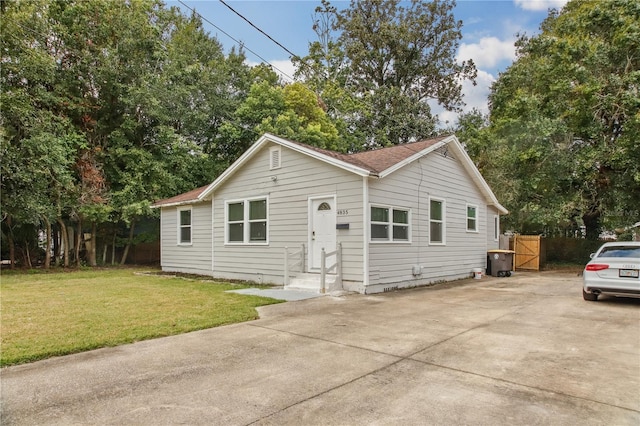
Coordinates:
[278,293]
[520,350]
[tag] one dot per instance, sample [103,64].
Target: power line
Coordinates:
[30,30]
[237,41]
[293,55]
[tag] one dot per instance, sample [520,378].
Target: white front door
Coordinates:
[322,228]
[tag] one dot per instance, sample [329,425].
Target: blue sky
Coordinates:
[489,31]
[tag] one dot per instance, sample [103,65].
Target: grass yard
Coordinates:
[50,314]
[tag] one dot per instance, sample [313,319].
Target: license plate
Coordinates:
[629,273]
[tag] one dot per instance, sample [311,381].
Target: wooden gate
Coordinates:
[527,248]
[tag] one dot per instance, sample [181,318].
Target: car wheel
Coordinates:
[589,296]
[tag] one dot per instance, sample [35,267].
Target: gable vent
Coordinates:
[445,152]
[274,158]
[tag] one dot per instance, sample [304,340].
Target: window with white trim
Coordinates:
[184,226]
[390,224]
[246,221]
[472,218]
[437,221]
[496,228]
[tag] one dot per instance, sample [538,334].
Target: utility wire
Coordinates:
[30,30]
[293,55]
[237,41]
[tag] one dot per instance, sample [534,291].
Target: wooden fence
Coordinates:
[529,251]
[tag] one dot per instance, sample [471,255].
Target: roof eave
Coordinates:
[500,208]
[467,164]
[175,204]
[178,203]
[415,156]
[476,176]
[267,137]
[320,156]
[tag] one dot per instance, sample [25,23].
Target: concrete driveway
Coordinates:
[519,350]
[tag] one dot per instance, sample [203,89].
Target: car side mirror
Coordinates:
[591,256]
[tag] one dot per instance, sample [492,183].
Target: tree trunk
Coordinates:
[591,221]
[47,253]
[90,244]
[57,246]
[27,255]
[129,241]
[113,250]
[78,242]
[65,241]
[12,246]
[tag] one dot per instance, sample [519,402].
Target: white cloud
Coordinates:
[477,96]
[540,5]
[488,52]
[280,66]
[474,97]
[284,66]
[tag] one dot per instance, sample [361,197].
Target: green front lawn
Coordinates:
[50,314]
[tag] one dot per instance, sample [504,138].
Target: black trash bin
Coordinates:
[500,263]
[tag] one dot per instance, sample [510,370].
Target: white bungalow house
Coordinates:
[403,216]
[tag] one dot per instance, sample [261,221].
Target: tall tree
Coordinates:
[472,131]
[38,142]
[391,59]
[107,106]
[291,111]
[568,111]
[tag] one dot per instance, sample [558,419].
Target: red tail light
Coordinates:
[596,267]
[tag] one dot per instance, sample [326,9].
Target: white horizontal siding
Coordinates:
[194,257]
[411,187]
[288,189]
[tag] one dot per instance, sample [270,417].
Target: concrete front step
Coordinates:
[311,282]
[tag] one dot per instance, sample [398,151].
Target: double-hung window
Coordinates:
[247,221]
[472,218]
[184,226]
[437,229]
[390,224]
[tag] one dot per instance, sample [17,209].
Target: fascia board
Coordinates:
[178,203]
[467,163]
[235,166]
[161,206]
[267,137]
[471,168]
[415,157]
[322,157]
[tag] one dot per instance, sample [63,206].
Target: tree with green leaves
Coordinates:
[38,142]
[388,61]
[106,107]
[566,113]
[291,111]
[471,130]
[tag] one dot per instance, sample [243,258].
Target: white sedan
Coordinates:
[613,270]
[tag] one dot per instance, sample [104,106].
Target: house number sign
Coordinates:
[343,212]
